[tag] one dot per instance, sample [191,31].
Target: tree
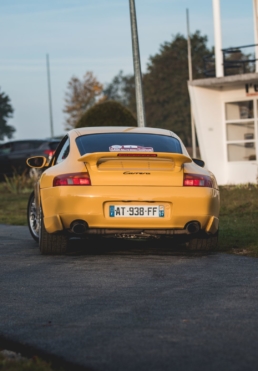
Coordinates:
[121,89]
[236,62]
[109,113]
[6,112]
[165,85]
[80,96]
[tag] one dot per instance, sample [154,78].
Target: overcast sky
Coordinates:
[92,35]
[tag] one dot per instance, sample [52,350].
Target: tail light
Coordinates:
[49,152]
[197,180]
[75,179]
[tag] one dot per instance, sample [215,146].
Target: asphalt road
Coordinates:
[130,305]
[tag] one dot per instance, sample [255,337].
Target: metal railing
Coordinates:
[234,61]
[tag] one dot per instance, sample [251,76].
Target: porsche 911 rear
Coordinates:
[130,189]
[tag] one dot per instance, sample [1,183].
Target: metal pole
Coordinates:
[218,39]
[255,8]
[190,69]
[49,98]
[137,68]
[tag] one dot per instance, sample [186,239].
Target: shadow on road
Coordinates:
[119,246]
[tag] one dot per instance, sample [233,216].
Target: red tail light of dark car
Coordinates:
[49,152]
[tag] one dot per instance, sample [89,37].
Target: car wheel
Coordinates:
[32,218]
[51,243]
[207,242]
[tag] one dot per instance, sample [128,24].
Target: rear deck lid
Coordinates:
[129,159]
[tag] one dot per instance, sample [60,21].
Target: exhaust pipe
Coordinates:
[192,227]
[79,226]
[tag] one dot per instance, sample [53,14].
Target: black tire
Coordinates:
[32,218]
[203,242]
[51,243]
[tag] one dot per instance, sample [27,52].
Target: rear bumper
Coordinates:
[63,205]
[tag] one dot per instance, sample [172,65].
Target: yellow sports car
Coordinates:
[123,182]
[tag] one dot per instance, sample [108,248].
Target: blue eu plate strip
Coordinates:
[161,212]
[111,211]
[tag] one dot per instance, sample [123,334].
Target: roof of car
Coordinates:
[32,140]
[122,129]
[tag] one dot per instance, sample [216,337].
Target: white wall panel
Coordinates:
[207,109]
[208,105]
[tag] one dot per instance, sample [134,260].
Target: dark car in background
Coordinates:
[13,154]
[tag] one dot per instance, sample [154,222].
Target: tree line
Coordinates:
[166,97]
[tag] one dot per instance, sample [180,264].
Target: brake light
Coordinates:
[197,180]
[137,155]
[78,179]
[49,152]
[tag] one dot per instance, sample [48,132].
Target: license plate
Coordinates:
[121,211]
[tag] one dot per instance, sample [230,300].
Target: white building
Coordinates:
[225,111]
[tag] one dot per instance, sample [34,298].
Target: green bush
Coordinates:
[110,113]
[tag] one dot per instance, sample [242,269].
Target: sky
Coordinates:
[92,35]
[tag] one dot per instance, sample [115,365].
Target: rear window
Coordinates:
[53,145]
[26,145]
[127,142]
[37,143]
[49,145]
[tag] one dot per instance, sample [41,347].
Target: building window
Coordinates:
[241,131]
[239,110]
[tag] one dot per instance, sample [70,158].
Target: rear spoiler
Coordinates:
[93,158]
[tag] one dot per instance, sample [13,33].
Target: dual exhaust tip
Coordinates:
[80,227]
[192,227]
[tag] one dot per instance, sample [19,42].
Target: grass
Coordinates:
[13,206]
[23,364]
[238,215]
[238,219]
[14,194]
[19,182]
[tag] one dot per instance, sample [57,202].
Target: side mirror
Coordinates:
[199,162]
[37,162]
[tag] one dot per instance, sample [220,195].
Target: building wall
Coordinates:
[227,131]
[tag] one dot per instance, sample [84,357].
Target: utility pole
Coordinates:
[141,121]
[190,69]
[49,98]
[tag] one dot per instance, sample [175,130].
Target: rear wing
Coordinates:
[94,158]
